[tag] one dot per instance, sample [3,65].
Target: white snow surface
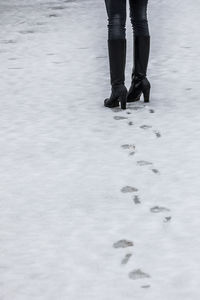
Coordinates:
[64,205]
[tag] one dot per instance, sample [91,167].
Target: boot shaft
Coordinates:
[117,61]
[141,56]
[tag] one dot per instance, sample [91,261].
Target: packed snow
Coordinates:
[97,203]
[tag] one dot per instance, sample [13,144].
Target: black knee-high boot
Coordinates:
[140,84]
[117,60]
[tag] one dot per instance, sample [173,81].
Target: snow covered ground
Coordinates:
[77,178]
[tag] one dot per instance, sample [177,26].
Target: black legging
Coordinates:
[116,10]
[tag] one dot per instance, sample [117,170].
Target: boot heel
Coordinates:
[146,90]
[146,94]
[122,99]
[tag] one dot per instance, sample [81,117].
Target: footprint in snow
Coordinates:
[157,133]
[158,209]
[123,244]
[152,111]
[145,127]
[167,219]
[143,163]
[128,146]
[130,123]
[136,199]
[155,171]
[147,286]
[126,259]
[132,153]
[138,274]
[120,118]
[128,189]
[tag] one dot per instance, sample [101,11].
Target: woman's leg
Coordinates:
[138,15]
[116,10]
[140,84]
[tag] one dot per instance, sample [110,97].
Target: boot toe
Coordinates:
[111,103]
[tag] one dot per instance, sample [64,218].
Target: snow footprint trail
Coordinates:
[138,274]
[141,107]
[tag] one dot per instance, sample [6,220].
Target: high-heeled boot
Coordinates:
[140,84]
[117,60]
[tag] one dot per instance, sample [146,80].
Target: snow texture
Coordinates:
[63,165]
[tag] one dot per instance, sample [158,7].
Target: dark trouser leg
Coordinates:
[141,46]
[116,10]
[138,15]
